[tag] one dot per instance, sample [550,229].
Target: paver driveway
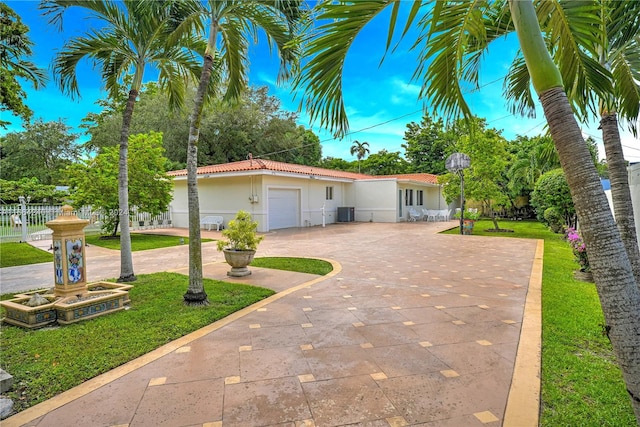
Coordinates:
[416,328]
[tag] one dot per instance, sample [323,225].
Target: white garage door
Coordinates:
[283,208]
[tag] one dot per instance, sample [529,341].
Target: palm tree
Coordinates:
[14,47]
[582,65]
[134,36]
[360,149]
[232,26]
[449,34]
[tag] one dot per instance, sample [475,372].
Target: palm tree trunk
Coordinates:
[195,294]
[619,295]
[620,193]
[615,282]
[126,259]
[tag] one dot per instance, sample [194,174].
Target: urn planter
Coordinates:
[239,261]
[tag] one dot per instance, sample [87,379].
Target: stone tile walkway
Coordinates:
[412,328]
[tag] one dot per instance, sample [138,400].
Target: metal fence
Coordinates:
[27,222]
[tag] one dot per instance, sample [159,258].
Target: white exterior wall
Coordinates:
[634,188]
[217,196]
[225,196]
[312,197]
[376,200]
[431,199]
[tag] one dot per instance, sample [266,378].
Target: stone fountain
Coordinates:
[71,299]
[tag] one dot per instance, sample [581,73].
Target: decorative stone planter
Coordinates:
[106,286]
[19,314]
[238,260]
[583,276]
[72,309]
[71,299]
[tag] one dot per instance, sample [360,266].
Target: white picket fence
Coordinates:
[35,216]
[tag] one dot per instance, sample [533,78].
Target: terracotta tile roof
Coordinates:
[420,177]
[263,164]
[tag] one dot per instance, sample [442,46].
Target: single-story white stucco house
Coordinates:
[283,195]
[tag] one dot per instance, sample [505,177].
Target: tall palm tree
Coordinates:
[360,149]
[449,32]
[582,64]
[15,46]
[134,36]
[230,26]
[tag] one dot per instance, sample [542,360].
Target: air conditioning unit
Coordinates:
[346,214]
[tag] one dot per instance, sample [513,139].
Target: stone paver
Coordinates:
[417,328]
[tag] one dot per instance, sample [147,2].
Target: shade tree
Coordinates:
[42,151]
[94,181]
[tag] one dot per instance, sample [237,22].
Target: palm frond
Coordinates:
[575,45]
[235,57]
[320,80]
[517,89]
[625,66]
[445,63]
[623,22]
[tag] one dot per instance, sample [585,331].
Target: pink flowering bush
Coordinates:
[579,248]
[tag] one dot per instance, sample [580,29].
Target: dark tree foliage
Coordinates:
[43,150]
[255,124]
[15,46]
[427,145]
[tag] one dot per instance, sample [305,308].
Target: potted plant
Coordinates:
[240,244]
[470,218]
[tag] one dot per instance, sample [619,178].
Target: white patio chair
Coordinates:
[432,215]
[443,214]
[414,215]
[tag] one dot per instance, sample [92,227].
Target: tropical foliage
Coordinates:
[427,145]
[485,179]
[95,181]
[42,151]
[38,193]
[360,149]
[552,191]
[255,123]
[15,48]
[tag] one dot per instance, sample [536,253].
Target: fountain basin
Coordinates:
[99,299]
[19,314]
[89,305]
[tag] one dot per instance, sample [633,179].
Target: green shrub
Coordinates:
[554,219]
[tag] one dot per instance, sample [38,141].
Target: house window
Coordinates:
[419,198]
[408,197]
[329,193]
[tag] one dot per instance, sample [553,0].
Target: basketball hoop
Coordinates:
[457,162]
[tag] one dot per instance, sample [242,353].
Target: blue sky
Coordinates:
[380,99]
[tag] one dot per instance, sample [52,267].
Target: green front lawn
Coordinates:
[140,242]
[13,254]
[301,265]
[47,362]
[581,383]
